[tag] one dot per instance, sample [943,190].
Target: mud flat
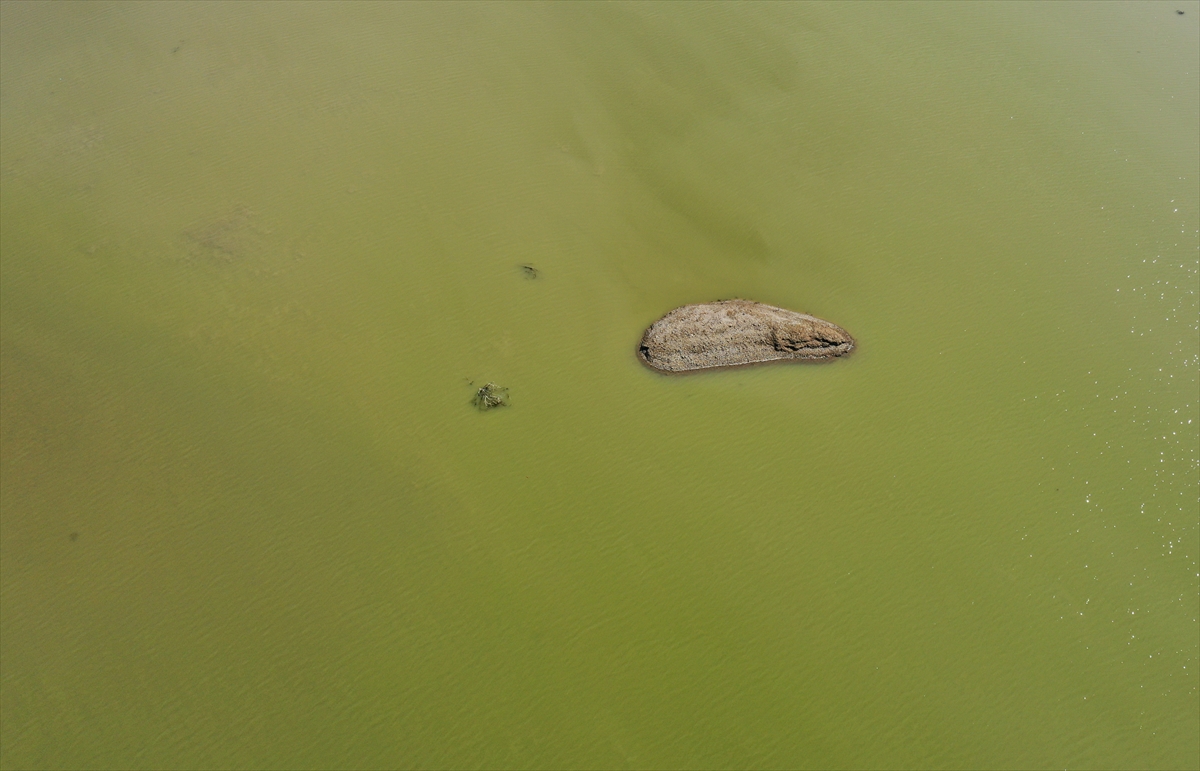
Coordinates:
[735,333]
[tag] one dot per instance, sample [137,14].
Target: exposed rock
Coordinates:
[733,333]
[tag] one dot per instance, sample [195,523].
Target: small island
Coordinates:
[736,333]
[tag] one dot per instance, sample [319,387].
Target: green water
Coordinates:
[253,257]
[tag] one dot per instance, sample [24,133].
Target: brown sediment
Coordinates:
[734,333]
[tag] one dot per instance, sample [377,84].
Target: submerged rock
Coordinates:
[733,333]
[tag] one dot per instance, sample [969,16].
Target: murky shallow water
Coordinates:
[255,256]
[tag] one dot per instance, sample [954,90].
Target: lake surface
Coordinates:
[256,259]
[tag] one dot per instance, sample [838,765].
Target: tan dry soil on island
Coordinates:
[734,333]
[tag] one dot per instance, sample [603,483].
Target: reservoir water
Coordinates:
[256,260]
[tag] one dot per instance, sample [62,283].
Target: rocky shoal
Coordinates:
[734,333]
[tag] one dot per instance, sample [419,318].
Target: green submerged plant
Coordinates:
[490,396]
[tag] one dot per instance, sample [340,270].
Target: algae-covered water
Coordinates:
[256,259]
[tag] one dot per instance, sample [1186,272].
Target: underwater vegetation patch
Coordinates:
[490,396]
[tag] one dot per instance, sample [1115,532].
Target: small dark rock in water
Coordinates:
[733,333]
[530,271]
[489,396]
